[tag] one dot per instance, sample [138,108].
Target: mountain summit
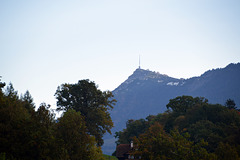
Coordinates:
[141,76]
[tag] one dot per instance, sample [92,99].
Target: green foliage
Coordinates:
[191,128]
[2,156]
[134,128]
[227,152]
[157,144]
[26,133]
[107,157]
[28,100]
[93,104]
[73,137]
[182,103]
[11,93]
[41,131]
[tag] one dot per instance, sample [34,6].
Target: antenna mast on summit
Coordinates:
[139,62]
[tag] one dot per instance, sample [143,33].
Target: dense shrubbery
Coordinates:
[190,128]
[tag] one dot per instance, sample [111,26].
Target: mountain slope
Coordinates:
[143,93]
[217,85]
[147,93]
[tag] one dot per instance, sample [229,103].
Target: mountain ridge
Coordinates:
[153,74]
[147,92]
[152,88]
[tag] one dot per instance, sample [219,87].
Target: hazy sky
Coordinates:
[44,43]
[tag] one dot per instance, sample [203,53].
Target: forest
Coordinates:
[191,128]
[28,133]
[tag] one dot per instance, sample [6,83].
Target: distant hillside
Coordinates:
[147,93]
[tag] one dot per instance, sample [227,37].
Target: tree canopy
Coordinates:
[230,104]
[92,103]
[72,135]
[181,104]
[28,133]
[192,128]
[156,144]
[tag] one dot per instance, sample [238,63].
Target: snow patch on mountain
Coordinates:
[172,83]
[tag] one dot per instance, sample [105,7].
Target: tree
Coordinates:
[133,128]
[13,129]
[156,144]
[27,98]
[93,104]
[230,104]
[212,128]
[29,134]
[11,93]
[180,104]
[1,85]
[72,136]
[41,143]
[226,152]
[25,133]
[1,93]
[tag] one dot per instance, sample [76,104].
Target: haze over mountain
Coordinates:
[146,93]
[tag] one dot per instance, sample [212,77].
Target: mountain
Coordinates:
[147,93]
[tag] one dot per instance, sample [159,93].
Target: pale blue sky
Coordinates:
[44,43]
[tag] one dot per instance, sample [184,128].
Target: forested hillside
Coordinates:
[191,128]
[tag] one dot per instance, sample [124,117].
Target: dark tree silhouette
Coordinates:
[230,104]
